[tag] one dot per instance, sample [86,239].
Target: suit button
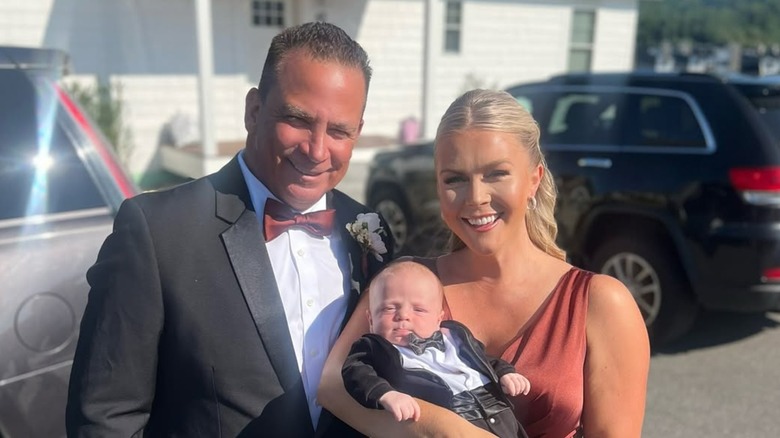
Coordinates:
[492,420]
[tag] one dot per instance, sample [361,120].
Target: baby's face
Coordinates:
[409,302]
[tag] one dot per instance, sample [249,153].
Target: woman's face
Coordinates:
[484,180]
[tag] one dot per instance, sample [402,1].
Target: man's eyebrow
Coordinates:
[291,110]
[341,127]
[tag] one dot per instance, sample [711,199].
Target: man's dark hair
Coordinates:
[322,41]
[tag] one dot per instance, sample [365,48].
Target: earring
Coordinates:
[532,203]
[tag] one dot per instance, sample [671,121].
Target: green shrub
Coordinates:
[103,103]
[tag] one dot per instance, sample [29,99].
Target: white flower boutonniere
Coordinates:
[368,233]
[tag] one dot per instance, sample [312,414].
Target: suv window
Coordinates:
[664,121]
[630,119]
[769,110]
[40,171]
[583,119]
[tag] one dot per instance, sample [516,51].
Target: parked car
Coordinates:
[669,182]
[61,187]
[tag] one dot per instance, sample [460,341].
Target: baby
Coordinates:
[411,352]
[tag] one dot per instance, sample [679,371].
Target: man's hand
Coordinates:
[515,384]
[402,406]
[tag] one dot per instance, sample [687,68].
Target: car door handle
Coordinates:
[601,163]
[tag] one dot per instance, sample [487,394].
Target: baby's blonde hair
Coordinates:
[395,267]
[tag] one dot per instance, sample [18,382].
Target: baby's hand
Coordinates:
[515,384]
[402,406]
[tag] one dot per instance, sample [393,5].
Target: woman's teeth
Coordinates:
[482,220]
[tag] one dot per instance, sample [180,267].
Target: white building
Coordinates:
[424,52]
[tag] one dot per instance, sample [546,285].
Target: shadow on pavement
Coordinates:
[716,328]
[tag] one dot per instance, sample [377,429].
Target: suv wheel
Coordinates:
[653,275]
[392,206]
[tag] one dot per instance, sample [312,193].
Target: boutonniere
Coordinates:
[367,231]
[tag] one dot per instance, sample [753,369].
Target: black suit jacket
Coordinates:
[184,333]
[374,367]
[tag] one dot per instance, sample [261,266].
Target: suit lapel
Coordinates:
[357,278]
[252,267]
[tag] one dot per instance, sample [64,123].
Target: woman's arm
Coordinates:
[434,421]
[616,363]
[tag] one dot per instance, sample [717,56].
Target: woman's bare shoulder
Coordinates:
[608,295]
[612,307]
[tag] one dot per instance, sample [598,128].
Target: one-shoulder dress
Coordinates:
[550,352]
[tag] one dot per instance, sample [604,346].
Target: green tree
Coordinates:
[744,22]
[104,104]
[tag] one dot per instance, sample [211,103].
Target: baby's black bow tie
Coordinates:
[418,344]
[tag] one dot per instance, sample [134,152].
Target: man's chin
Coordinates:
[302,196]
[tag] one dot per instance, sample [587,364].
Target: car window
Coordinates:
[663,121]
[769,111]
[583,119]
[40,171]
[526,102]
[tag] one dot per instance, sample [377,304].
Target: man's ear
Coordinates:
[360,127]
[251,109]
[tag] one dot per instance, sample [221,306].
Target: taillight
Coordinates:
[117,174]
[771,275]
[757,185]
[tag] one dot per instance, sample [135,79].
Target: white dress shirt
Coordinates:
[445,364]
[312,287]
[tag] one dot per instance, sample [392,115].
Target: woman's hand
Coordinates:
[616,363]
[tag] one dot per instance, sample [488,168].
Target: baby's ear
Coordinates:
[441,316]
[370,321]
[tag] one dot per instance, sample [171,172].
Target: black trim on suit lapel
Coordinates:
[357,279]
[246,249]
[252,266]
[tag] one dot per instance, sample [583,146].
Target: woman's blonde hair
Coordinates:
[491,110]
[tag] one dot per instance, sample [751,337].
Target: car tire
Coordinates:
[392,205]
[654,276]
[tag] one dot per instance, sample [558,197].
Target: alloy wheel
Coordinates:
[641,280]
[396,220]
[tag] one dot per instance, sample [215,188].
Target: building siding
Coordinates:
[149,48]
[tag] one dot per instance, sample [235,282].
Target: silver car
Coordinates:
[60,187]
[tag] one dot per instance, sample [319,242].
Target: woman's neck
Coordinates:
[513,262]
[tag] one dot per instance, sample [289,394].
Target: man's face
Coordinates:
[300,137]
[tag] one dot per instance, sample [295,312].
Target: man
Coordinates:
[197,324]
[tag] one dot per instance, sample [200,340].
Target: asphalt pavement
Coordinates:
[720,380]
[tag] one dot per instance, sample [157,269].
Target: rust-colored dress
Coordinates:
[551,354]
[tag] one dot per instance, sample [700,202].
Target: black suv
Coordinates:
[61,187]
[669,182]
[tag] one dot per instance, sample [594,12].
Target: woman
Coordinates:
[577,336]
